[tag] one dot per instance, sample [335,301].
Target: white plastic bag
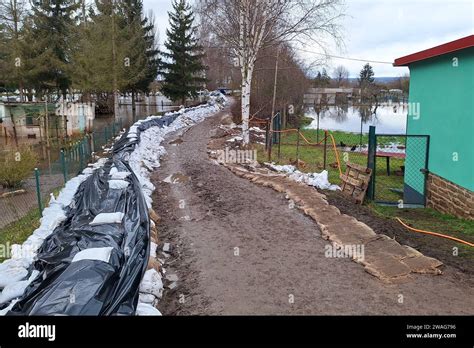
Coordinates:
[147,309]
[118,184]
[151,283]
[107,218]
[100,254]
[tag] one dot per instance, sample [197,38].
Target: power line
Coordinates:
[318,53]
[346,58]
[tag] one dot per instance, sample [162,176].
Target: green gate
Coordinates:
[399,164]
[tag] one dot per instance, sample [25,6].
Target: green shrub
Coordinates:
[17,165]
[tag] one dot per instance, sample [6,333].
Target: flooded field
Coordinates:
[389,119]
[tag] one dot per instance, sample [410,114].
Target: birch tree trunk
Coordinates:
[246,89]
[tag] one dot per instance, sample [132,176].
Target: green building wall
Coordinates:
[445,94]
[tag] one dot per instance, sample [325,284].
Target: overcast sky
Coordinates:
[381,30]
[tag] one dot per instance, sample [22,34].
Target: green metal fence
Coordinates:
[55,166]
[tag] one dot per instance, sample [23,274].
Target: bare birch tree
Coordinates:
[247,26]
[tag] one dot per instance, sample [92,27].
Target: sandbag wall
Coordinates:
[91,265]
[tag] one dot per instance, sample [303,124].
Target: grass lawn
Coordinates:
[17,232]
[313,156]
[430,220]
[386,186]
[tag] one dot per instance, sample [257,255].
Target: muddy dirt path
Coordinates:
[238,248]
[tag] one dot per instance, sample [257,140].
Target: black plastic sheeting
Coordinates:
[91,287]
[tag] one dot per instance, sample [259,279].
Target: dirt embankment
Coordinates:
[239,248]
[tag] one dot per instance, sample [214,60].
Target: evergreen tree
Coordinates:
[368,89]
[325,79]
[12,45]
[3,58]
[141,46]
[181,67]
[366,76]
[322,79]
[53,23]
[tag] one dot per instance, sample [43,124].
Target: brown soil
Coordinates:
[239,248]
[438,248]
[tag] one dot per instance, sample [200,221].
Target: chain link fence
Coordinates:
[399,162]
[399,169]
[26,187]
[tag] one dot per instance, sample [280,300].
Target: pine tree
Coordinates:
[12,45]
[3,58]
[368,89]
[53,23]
[325,79]
[366,75]
[181,66]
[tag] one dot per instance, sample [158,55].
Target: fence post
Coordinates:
[105,135]
[63,164]
[298,149]
[38,192]
[87,146]
[275,128]
[371,162]
[81,156]
[266,135]
[325,147]
[113,129]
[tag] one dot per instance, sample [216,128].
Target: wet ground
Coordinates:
[239,248]
[442,249]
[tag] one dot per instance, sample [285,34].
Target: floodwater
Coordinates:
[151,105]
[388,118]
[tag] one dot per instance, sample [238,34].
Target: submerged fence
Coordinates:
[27,191]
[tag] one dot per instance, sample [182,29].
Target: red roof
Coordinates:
[449,47]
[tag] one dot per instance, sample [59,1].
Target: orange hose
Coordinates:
[310,143]
[296,130]
[337,154]
[285,130]
[435,234]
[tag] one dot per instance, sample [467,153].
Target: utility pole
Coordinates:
[114,62]
[46,115]
[270,137]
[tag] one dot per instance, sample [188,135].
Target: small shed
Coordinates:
[442,93]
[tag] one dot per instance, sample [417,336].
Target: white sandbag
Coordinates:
[7,309]
[144,309]
[10,275]
[15,290]
[12,263]
[119,175]
[153,247]
[147,298]
[118,184]
[25,251]
[88,171]
[151,283]
[107,218]
[99,254]
[53,216]
[42,233]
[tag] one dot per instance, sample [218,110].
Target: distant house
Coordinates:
[442,86]
[26,120]
[329,96]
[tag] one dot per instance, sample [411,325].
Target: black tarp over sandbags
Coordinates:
[94,285]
